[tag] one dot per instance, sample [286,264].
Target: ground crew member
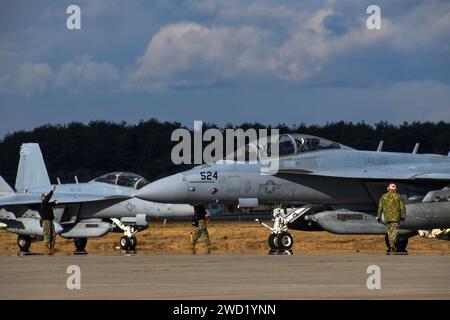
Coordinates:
[200,219]
[392,207]
[47,217]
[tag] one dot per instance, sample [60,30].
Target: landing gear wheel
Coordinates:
[124,243]
[80,244]
[400,244]
[271,241]
[132,243]
[24,243]
[284,241]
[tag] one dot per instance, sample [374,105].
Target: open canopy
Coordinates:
[301,143]
[124,179]
[289,144]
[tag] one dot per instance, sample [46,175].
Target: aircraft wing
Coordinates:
[390,172]
[63,199]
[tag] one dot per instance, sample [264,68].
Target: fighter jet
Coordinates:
[319,185]
[85,210]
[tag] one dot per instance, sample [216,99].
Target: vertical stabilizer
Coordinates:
[32,172]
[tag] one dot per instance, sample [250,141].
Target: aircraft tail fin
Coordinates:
[32,171]
[4,187]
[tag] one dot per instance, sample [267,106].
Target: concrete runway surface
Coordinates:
[301,276]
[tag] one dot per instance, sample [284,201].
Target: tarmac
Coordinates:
[226,276]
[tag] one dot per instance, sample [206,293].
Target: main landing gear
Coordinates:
[24,243]
[80,245]
[400,246]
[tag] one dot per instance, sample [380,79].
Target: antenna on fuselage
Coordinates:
[57,179]
[76,179]
[416,148]
[380,145]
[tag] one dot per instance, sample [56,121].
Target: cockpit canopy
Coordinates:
[124,179]
[290,144]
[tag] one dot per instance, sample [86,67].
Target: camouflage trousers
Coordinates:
[49,233]
[392,232]
[201,231]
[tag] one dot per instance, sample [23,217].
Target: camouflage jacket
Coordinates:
[391,206]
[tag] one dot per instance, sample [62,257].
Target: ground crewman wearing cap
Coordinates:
[392,208]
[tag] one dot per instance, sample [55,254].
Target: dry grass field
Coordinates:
[229,237]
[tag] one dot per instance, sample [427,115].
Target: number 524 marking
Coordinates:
[208,175]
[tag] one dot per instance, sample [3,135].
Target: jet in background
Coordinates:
[320,185]
[85,210]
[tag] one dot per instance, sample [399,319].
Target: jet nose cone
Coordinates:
[172,189]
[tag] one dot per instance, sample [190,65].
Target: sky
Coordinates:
[223,62]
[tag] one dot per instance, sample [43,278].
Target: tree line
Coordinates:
[90,150]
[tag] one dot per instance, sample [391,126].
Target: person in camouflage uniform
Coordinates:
[47,217]
[199,221]
[392,207]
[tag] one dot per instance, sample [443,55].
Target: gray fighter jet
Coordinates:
[85,210]
[320,185]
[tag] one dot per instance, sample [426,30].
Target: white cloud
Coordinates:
[190,54]
[242,41]
[77,75]
[83,73]
[271,42]
[33,78]
[424,27]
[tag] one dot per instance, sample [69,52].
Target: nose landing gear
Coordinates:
[128,242]
[280,240]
